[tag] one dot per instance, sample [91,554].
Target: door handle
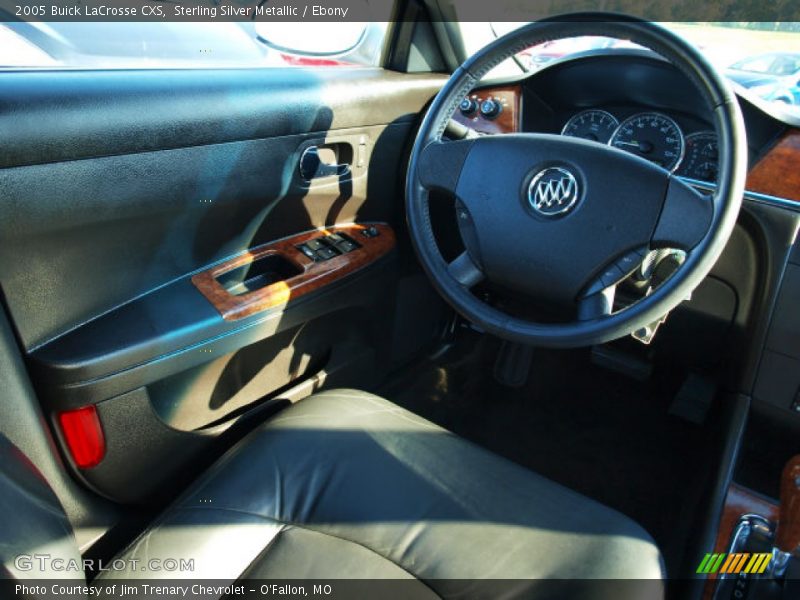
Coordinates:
[312,164]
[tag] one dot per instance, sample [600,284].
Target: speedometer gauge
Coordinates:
[653,136]
[702,156]
[595,125]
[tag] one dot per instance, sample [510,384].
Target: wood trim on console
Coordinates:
[312,276]
[778,172]
[787,537]
[508,121]
[739,501]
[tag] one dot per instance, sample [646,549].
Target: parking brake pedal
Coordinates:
[622,362]
[512,365]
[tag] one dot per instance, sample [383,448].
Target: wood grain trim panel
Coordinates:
[787,538]
[778,172]
[312,276]
[739,501]
[508,121]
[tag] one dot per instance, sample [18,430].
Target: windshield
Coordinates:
[763,58]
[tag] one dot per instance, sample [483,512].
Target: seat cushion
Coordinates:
[347,485]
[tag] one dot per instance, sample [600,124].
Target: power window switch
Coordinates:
[346,246]
[304,248]
[342,243]
[334,238]
[370,232]
[315,244]
[325,253]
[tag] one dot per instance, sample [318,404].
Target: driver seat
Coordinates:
[346,485]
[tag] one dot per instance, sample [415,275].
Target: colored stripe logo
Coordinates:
[735,563]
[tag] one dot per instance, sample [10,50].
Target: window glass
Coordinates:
[759,64]
[123,45]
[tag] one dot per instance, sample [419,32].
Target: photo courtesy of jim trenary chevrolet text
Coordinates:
[400,299]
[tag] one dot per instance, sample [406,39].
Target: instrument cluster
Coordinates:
[655,137]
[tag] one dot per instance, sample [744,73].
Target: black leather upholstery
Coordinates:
[347,485]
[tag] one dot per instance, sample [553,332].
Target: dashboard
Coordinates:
[653,135]
[681,144]
[630,100]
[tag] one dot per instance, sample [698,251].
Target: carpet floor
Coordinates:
[598,432]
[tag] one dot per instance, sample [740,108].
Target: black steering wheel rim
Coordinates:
[724,204]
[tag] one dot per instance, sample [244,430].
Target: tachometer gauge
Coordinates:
[595,125]
[702,156]
[653,136]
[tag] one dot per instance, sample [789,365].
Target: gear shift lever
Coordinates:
[755,535]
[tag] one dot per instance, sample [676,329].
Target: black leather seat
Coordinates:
[347,485]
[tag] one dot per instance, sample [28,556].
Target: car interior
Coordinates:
[405,322]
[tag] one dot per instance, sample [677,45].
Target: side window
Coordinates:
[137,45]
[19,52]
[761,64]
[325,44]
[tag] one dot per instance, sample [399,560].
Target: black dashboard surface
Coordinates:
[624,83]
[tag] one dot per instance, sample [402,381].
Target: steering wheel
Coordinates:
[561,219]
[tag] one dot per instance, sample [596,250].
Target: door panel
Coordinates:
[139,219]
[120,186]
[98,233]
[51,116]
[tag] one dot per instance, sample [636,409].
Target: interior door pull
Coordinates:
[312,165]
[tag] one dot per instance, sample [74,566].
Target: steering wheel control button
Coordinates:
[611,275]
[616,272]
[596,286]
[468,107]
[490,108]
[628,263]
[553,192]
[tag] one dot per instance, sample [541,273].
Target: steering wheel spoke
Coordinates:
[464,270]
[441,164]
[597,305]
[685,217]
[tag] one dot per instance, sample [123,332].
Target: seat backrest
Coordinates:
[34,529]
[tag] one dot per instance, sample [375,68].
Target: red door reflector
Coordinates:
[84,436]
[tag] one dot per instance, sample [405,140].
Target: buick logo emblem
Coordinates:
[553,191]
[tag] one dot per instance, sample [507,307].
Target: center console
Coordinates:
[760,560]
